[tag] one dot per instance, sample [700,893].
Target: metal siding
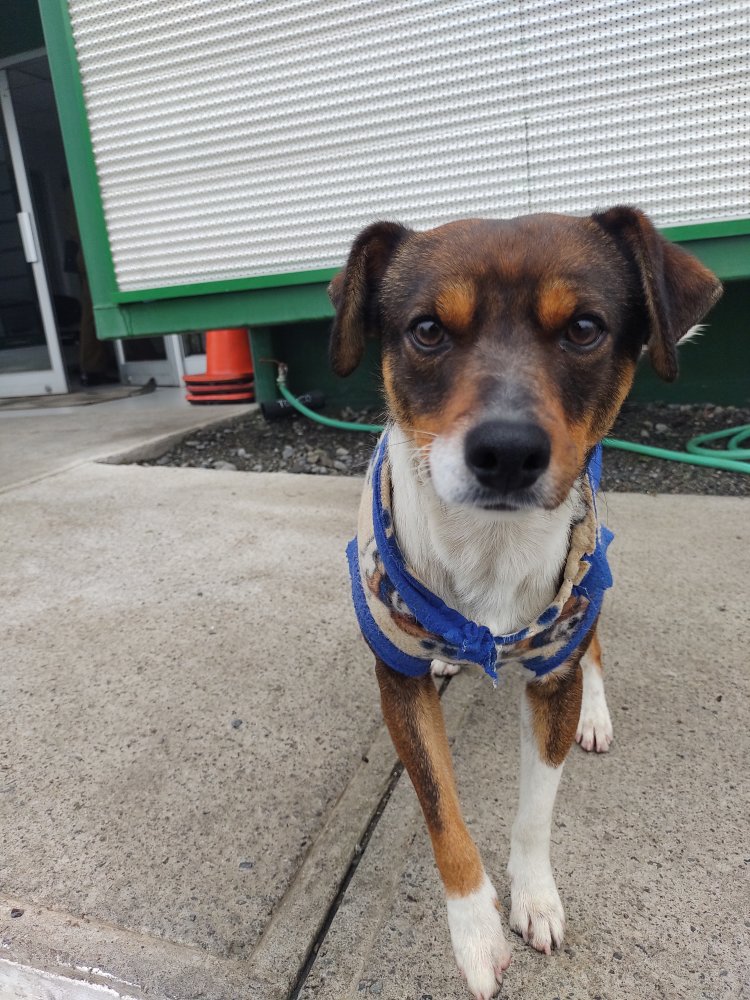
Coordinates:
[237,138]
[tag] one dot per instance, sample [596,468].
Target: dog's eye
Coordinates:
[584,332]
[427,334]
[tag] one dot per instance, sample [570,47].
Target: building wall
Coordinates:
[290,320]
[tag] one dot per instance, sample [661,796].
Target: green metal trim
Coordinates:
[678,234]
[294,278]
[79,151]
[259,307]
[728,258]
[261,344]
[707,230]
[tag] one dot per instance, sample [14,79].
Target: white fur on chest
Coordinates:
[499,570]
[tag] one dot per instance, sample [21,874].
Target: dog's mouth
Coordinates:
[504,504]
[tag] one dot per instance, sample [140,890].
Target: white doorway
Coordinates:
[47,337]
[144,359]
[31,361]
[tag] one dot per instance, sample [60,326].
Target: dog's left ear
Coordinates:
[677,289]
[353,293]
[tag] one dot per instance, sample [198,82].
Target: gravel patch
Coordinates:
[250,444]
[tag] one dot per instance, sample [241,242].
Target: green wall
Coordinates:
[304,348]
[714,368]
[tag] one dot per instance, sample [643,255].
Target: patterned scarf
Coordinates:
[407,626]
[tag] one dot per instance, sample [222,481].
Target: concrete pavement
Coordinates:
[191,752]
[184,705]
[39,442]
[650,842]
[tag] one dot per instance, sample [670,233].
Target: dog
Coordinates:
[508,348]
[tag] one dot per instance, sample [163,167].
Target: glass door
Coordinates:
[30,359]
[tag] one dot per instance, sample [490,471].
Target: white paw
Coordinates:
[594,725]
[440,668]
[481,951]
[536,912]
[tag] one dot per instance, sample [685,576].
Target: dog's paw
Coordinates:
[440,668]
[536,912]
[481,951]
[594,725]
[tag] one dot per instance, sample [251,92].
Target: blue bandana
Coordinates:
[407,626]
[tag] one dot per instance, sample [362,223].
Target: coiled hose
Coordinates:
[733,458]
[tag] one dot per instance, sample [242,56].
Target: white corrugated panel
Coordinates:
[248,137]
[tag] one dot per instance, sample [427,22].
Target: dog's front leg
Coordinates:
[549,715]
[412,712]
[595,725]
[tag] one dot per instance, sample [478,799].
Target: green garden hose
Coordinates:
[341,425]
[710,458]
[733,458]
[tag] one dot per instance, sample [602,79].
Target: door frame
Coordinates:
[40,381]
[166,371]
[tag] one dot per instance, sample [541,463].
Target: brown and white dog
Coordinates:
[508,348]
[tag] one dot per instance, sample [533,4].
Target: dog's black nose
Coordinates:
[505,455]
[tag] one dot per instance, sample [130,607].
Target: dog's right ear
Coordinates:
[353,293]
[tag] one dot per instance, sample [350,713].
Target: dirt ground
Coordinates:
[295,444]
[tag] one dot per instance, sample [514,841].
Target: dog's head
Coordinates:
[508,347]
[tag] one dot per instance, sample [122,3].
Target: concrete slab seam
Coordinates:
[359,853]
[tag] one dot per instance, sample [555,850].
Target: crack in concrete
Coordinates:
[357,856]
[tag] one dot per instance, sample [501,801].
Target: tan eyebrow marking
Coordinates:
[556,302]
[456,304]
